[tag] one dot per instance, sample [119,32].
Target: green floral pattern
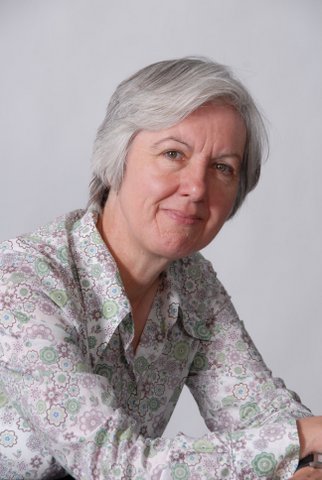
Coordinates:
[264,464]
[73,395]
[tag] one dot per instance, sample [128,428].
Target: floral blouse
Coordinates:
[75,399]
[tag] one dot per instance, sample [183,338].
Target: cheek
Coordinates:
[157,188]
[142,197]
[224,199]
[221,204]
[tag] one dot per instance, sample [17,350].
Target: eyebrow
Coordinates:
[156,144]
[229,155]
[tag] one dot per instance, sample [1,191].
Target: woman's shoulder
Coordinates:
[38,270]
[198,270]
[52,233]
[43,251]
[202,296]
[45,240]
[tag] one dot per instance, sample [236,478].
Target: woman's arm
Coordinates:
[310,435]
[307,473]
[237,394]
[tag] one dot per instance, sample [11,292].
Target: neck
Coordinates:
[139,271]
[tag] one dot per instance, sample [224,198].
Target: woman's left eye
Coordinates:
[173,154]
[224,168]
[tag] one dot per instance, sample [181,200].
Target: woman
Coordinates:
[107,313]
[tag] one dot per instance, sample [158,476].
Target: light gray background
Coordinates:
[59,63]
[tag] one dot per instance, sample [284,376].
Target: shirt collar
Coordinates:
[104,298]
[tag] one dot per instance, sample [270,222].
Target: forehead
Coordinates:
[218,125]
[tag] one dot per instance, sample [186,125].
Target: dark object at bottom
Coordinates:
[313,460]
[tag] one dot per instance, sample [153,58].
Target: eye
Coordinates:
[224,168]
[173,154]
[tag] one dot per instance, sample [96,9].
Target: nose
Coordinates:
[193,182]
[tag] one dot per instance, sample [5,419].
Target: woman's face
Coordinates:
[180,183]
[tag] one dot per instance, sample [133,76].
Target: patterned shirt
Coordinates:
[75,398]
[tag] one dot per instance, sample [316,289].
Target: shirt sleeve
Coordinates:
[242,402]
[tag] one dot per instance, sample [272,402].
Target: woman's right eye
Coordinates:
[173,154]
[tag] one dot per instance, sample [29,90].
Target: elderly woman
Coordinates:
[107,313]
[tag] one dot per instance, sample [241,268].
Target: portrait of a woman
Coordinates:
[107,312]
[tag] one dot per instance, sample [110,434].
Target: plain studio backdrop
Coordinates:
[60,62]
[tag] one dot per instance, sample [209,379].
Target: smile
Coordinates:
[182,217]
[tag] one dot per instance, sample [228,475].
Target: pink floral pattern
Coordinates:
[74,398]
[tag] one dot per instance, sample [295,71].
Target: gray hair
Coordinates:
[161,95]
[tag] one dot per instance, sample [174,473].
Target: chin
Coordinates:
[173,247]
[177,251]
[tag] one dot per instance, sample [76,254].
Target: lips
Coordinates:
[181,217]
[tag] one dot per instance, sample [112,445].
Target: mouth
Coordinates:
[183,218]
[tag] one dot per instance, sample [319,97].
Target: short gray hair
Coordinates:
[161,95]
